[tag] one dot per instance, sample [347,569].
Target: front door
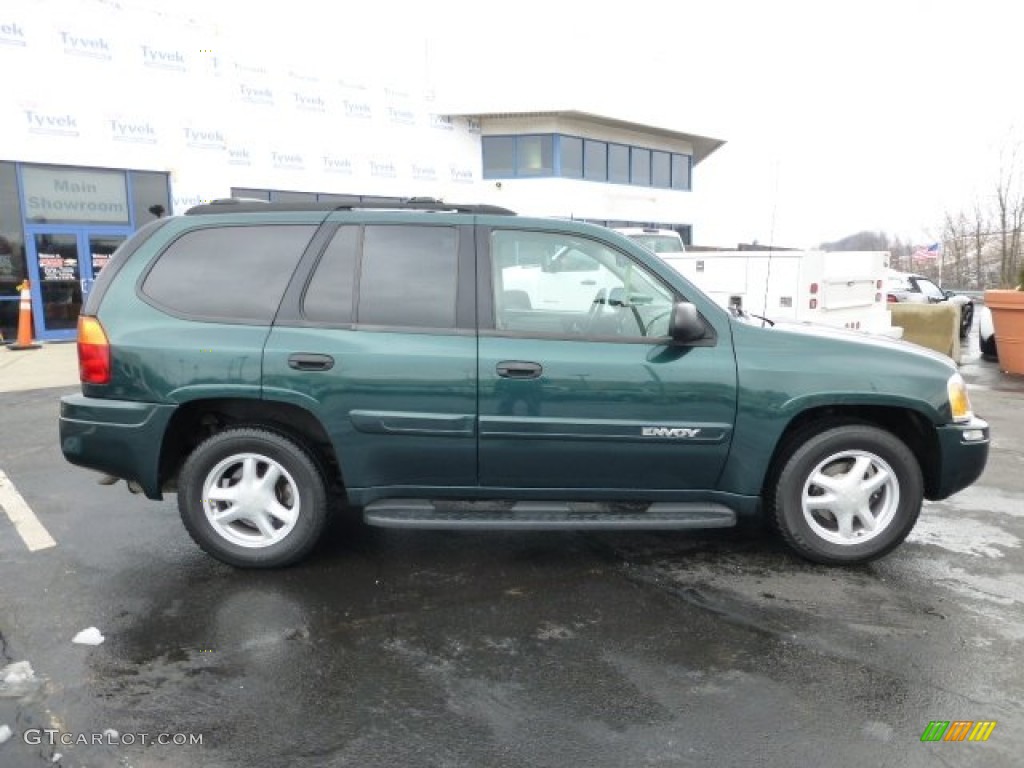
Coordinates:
[589,395]
[63,263]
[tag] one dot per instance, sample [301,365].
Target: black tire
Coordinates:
[988,347]
[814,533]
[278,524]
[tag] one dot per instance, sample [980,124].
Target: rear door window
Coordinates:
[231,274]
[409,276]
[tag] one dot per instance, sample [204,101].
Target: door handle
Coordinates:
[517,369]
[309,361]
[588,282]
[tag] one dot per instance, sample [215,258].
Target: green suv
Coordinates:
[460,367]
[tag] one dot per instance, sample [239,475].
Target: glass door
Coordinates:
[101,247]
[63,263]
[56,257]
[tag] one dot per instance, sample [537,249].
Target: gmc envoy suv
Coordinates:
[460,367]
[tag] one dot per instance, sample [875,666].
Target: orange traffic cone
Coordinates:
[24,320]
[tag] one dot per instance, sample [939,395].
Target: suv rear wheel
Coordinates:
[252,498]
[847,495]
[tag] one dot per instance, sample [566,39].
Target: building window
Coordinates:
[12,251]
[595,160]
[151,197]
[640,167]
[535,156]
[293,197]
[681,172]
[661,170]
[12,246]
[618,163]
[499,155]
[251,194]
[570,156]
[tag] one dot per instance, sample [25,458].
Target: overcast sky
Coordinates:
[839,115]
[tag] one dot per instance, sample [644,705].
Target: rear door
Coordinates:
[590,394]
[380,343]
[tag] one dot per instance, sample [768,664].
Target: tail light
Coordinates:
[891,299]
[93,351]
[813,304]
[814,288]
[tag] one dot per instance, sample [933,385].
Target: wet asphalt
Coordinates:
[395,648]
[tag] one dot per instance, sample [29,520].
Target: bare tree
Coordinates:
[955,244]
[1009,217]
[980,237]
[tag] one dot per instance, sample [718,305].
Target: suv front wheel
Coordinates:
[252,498]
[848,495]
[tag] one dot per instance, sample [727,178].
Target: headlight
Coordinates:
[959,400]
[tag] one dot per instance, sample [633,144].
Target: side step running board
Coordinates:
[546,515]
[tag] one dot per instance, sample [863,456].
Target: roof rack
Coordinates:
[255,205]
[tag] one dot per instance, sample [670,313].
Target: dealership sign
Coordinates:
[63,194]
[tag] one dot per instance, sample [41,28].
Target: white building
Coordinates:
[117,114]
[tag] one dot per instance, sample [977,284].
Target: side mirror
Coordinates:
[685,324]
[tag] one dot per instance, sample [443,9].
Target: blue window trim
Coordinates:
[557,161]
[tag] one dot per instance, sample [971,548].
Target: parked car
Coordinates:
[918,289]
[274,363]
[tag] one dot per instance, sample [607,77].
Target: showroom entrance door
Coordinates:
[63,262]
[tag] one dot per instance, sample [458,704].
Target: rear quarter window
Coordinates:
[231,274]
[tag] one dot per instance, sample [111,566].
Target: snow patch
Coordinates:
[90,636]
[17,673]
[17,680]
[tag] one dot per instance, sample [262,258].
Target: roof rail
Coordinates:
[254,205]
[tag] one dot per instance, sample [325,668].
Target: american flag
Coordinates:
[926,253]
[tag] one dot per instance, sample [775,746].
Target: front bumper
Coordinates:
[963,453]
[119,437]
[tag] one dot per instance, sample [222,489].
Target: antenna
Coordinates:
[771,243]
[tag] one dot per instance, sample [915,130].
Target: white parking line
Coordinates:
[25,521]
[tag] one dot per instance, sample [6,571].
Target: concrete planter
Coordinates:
[1007,307]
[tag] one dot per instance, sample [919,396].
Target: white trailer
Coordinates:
[842,289]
